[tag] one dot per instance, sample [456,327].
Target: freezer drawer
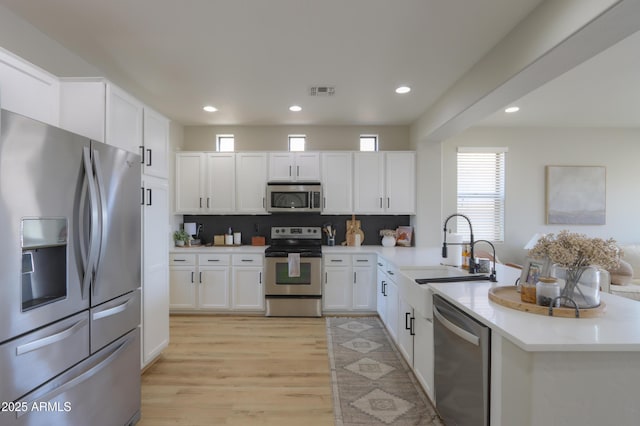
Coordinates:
[114,319]
[103,390]
[30,360]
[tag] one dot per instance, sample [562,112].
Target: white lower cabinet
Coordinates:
[381,283]
[391,309]
[248,290]
[349,283]
[213,287]
[423,358]
[406,330]
[216,282]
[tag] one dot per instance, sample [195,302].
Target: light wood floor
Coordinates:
[221,370]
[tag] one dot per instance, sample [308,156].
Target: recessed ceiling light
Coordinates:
[512,109]
[210,108]
[403,89]
[295,108]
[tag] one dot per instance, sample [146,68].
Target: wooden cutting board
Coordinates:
[353,229]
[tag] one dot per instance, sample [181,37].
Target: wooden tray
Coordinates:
[509,297]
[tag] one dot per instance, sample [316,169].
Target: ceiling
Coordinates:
[252,59]
[603,91]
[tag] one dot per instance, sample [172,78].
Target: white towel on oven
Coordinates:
[294,264]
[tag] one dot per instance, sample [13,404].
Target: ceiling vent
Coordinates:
[322,91]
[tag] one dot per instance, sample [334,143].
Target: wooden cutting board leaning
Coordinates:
[353,229]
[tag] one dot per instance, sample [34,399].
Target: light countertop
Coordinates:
[218,249]
[618,330]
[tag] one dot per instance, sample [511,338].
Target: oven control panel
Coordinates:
[296,232]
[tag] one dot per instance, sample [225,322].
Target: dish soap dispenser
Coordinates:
[228,239]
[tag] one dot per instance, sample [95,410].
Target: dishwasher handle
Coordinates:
[463,334]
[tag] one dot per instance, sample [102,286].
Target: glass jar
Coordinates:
[528,292]
[547,289]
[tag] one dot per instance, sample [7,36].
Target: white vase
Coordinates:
[388,241]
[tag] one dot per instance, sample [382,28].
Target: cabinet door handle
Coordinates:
[260,279]
[247,260]
[208,200]
[380,202]
[354,277]
[149,162]
[264,203]
[384,288]
[388,202]
[362,260]
[192,274]
[411,330]
[390,273]
[213,260]
[336,260]
[406,320]
[142,154]
[200,202]
[142,196]
[150,193]
[380,264]
[326,278]
[324,202]
[179,260]
[298,171]
[200,277]
[289,171]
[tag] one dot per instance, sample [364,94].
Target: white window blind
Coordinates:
[481,192]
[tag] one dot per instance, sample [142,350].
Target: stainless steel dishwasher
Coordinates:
[461,378]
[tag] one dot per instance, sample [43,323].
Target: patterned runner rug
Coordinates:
[372,384]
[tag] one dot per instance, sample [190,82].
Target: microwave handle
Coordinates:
[311,204]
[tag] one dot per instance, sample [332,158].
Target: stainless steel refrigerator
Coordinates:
[69,278]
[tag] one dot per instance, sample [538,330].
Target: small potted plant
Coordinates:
[181,237]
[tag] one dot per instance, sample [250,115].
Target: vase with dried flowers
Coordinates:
[581,262]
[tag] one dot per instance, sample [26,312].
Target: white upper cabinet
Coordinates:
[337,182]
[28,90]
[385,182]
[190,174]
[124,120]
[205,183]
[99,110]
[220,188]
[294,166]
[368,188]
[251,182]
[155,144]
[400,182]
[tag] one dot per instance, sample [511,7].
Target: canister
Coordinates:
[237,238]
[547,289]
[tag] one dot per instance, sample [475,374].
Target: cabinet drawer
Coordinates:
[214,259]
[392,271]
[382,264]
[336,259]
[247,259]
[177,259]
[364,260]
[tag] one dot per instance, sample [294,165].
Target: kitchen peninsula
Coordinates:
[544,370]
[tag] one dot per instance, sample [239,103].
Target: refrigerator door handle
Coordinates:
[79,378]
[102,196]
[50,340]
[93,241]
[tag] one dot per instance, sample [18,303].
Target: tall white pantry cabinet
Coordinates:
[98,109]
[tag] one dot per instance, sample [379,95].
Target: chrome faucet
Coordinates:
[472,263]
[492,275]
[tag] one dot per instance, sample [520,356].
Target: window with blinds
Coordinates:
[481,188]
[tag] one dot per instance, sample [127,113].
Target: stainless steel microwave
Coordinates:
[294,197]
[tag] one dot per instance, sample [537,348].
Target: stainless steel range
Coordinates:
[293,272]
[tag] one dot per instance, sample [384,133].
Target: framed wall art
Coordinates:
[576,195]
